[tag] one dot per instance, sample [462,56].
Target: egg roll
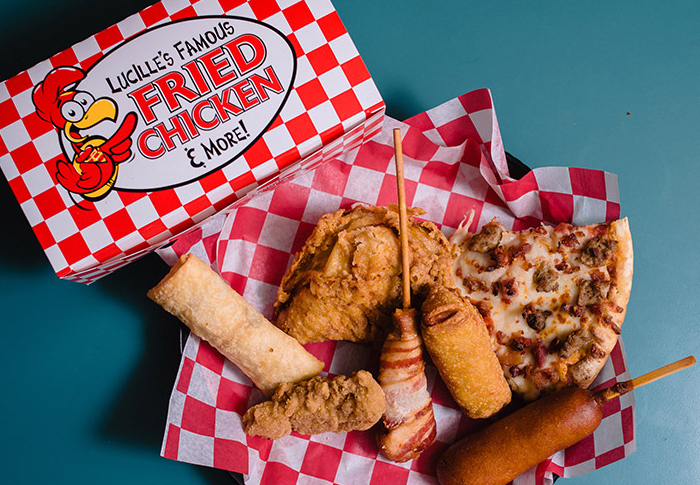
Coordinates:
[203,301]
[459,344]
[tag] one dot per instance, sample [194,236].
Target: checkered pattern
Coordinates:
[452,160]
[333,95]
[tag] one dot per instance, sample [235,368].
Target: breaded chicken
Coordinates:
[346,281]
[318,405]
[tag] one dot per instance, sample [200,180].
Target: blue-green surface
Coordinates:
[87,371]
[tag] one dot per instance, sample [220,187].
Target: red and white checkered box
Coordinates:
[224,94]
[454,162]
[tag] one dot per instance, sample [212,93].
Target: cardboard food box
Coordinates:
[135,136]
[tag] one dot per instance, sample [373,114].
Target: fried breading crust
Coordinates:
[318,405]
[214,311]
[460,347]
[346,281]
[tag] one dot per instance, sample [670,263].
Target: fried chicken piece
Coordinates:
[318,405]
[346,281]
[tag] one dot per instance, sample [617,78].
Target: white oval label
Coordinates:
[168,106]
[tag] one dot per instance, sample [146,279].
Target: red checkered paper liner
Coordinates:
[454,162]
[333,93]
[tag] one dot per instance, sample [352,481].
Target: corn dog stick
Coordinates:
[623,387]
[408,422]
[664,371]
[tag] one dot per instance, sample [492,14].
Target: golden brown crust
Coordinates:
[624,267]
[605,331]
[318,405]
[459,345]
[346,281]
[203,301]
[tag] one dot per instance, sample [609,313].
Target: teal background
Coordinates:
[86,371]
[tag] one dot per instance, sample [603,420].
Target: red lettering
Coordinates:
[197,76]
[199,119]
[263,85]
[243,45]
[245,94]
[223,106]
[189,124]
[172,85]
[215,63]
[147,150]
[145,103]
[167,135]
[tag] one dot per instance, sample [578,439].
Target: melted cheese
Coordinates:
[483,284]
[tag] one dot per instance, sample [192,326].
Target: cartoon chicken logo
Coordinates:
[91,170]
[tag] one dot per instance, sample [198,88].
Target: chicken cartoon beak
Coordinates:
[102,109]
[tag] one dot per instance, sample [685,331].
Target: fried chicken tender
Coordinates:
[346,281]
[318,405]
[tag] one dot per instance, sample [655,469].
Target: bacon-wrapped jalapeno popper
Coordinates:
[409,423]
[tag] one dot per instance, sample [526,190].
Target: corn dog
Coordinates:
[497,454]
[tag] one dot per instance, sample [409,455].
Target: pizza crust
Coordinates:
[584,372]
[624,267]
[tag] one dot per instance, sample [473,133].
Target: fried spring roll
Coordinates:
[203,301]
[458,343]
[409,423]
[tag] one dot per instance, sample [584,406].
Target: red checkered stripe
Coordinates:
[333,89]
[195,233]
[122,259]
[93,274]
[582,200]
[470,116]
[345,144]
[256,245]
[348,142]
[321,108]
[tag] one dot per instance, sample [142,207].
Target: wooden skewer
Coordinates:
[623,387]
[662,372]
[403,222]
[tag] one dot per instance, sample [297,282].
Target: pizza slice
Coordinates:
[553,297]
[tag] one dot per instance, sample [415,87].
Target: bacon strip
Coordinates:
[409,423]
